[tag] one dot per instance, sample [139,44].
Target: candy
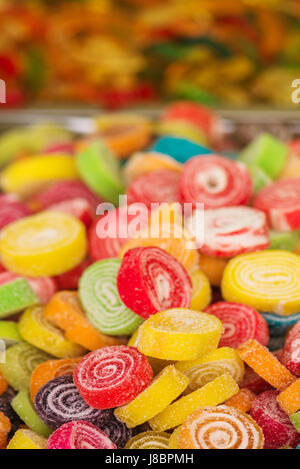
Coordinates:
[117,432]
[64,311]
[206,369]
[265,280]
[21,359]
[181,149]
[149,440]
[280,202]
[101,301]
[112,376]
[46,244]
[69,280]
[295,420]
[275,423]
[5,428]
[35,329]
[11,209]
[26,439]
[165,388]
[254,382]
[259,178]
[242,400]
[289,399]
[16,296]
[155,187]
[3,384]
[231,231]
[150,280]
[240,323]
[265,364]
[78,208]
[220,428]
[201,293]
[6,409]
[279,325]
[100,171]
[145,163]
[59,402]
[287,241]
[9,333]
[26,176]
[44,287]
[291,351]
[266,153]
[173,441]
[213,268]
[79,435]
[213,393]
[22,406]
[181,128]
[179,334]
[215,181]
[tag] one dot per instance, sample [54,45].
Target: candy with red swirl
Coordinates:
[156,187]
[79,435]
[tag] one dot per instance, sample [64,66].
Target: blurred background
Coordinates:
[117,54]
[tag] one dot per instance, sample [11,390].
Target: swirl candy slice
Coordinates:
[101,301]
[22,406]
[179,334]
[201,293]
[265,364]
[213,393]
[150,280]
[280,202]
[117,432]
[112,376]
[165,388]
[148,162]
[21,359]
[149,440]
[231,231]
[215,181]
[15,296]
[156,187]
[220,428]
[268,281]
[46,244]
[59,402]
[26,439]
[206,369]
[240,323]
[79,435]
[36,330]
[64,311]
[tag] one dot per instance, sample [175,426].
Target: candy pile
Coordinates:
[135,326]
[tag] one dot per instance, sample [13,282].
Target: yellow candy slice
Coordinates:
[29,175]
[179,334]
[165,388]
[212,394]
[205,369]
[149,440]
[267,281]
[46,244]
[173,441]
[201,294]
[26,439]
[36,330]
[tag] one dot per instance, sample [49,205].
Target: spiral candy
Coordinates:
[155,187]
[79,435]
[117,432]
[149,440]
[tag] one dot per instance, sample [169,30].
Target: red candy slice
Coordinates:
[69,280]
[274,422]
[281,203]
[291,350]
[44,287]
[79,435]
[156,187]
[151,280]
[112,376]
[230,231]
[79,208]
[112,231]
[240,323]
[11,209]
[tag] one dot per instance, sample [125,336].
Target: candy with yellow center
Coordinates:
[29,175]
[205,369]
[267,280]
[213,393]
[201,293]
[26,439]
[46,244]
[145,163]
[179,334]
[165,388]
[36,330]
[149,440]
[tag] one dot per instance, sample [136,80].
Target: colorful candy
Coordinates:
[149,440]
[181,149]
[9,333]
[284,240]
[44,287]
[27,439]
[289,399]
[148,162]
[242,400]
[5,428]
[156,187]
[15,296]
[11,209]
[201,293]
[213,268]
[23,407]
[291,350]
[279,325]
[79,435]
[117,432]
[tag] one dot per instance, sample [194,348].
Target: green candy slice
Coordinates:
[101,301]
[22,405]
[16,296]
[295,419]
[20,361]
[9,333]
[266,153]
[100,170]
[287,241]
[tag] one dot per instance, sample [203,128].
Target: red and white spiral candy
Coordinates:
[281,203]
[215,181]
[79,435]
[291,350]
[44,287]
[151,280]
[112,376]
[274,422]
[11,209]
[230,231]
[155,187]
[240,323]
[79,208]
